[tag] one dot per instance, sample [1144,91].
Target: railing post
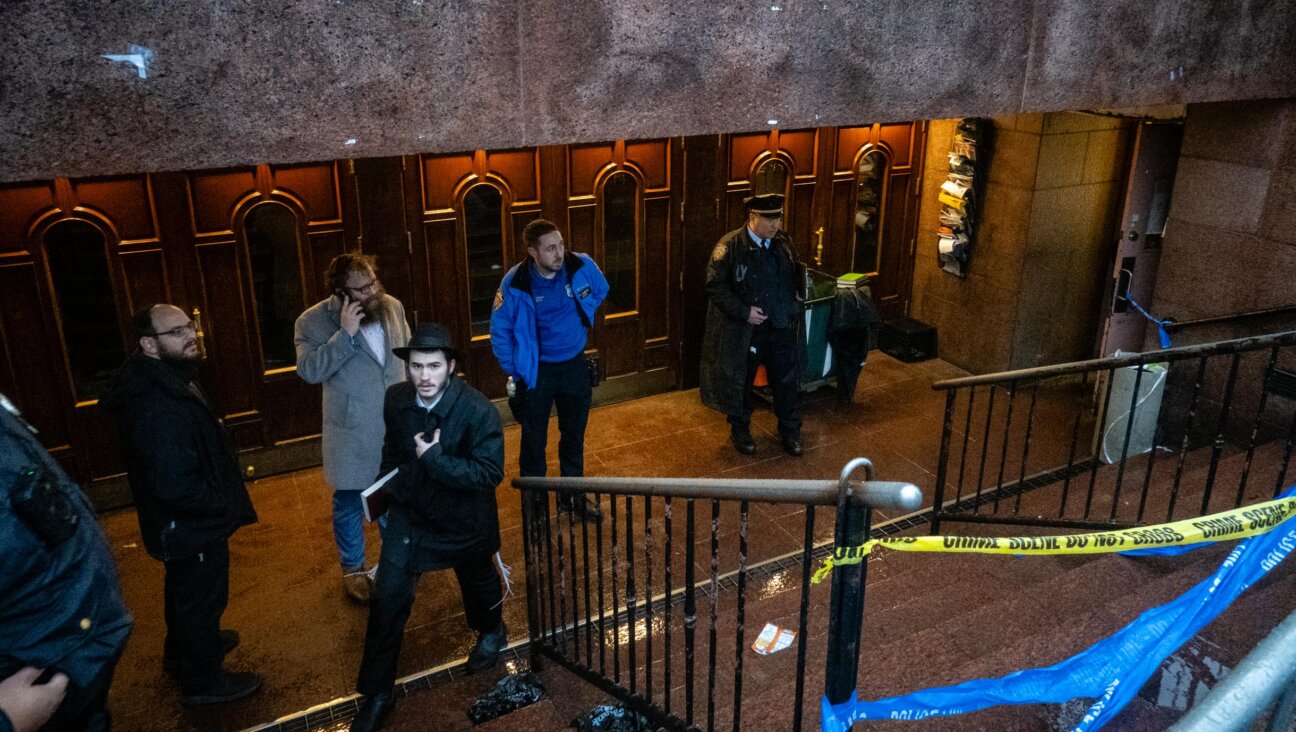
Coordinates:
[942,466]
[846,607]
[530,537]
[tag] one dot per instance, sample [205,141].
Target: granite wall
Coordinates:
[236,82]
[1230,242]
[1039,262]
[1230,247]
[1079,185]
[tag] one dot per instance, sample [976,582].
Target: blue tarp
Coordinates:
[1111,671]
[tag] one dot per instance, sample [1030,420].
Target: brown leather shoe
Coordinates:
[357,585]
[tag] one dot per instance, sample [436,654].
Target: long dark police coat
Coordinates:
[60,603]
[443,508]
[729,286]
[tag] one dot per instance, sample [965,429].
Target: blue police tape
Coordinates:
[1111,671]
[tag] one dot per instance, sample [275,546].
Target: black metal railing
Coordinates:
[1120,441]
[1262,685]
[1174,326]
[598,606]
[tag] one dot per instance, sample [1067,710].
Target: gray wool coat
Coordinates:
[354,387]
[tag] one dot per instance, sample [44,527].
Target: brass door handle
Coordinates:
[199,334]
[819,247]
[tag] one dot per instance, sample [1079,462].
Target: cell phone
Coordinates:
[342,294]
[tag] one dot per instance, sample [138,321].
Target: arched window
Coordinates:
[484,230]
[270,231]
[870,189]
[78,262]
[771,177]
[621,242]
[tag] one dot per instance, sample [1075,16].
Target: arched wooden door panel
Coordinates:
[76,258]
[462,196]
[266,404]
[479,201]
[620,200]
[750,161]
[874,202]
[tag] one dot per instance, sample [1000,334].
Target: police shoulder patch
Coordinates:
[720,251]
[499,299]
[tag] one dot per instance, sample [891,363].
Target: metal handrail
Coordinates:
[868,493]
[1264,677]
[1237,345]
[1174,325]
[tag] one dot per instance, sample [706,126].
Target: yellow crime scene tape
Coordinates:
[1237,523]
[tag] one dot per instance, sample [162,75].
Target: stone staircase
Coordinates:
[938,619]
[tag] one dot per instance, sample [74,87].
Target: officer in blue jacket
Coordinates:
[542,314]
[61,607]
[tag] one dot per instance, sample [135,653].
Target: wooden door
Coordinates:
[473,207]
[785,162]
[76,259]
[621,209]
[260,239]
[870,216]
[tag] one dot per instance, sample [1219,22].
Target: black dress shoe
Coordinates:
[792,446]
[373,712]
[743,442]
[582,507]
[229,686]
[486,652]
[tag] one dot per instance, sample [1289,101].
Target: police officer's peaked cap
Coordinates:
[769,204]
[428,337]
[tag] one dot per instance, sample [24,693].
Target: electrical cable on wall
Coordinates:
[1163,335]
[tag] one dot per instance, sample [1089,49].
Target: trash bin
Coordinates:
[820,292]
[1115,421]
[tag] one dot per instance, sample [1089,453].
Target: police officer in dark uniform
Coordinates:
[61,608]
[754,317]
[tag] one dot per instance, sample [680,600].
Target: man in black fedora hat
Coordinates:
[446,440]
[754,317]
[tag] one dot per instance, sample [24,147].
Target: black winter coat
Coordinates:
[723,373]
[444,507]
[180,462]
[60,603]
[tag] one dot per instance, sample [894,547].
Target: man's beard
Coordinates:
[185,364]
[373,309]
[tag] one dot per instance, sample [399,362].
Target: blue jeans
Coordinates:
[348,529]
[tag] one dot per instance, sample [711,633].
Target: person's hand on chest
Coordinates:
[421,444]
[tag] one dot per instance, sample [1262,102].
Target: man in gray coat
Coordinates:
[345,342]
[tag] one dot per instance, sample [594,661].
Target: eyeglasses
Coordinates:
[179,331]
[368,289]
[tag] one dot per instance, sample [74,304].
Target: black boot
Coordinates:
[227,687]
[792,446]
[742,441]
[179,668]
[373,712]
[486,652]
[583,507]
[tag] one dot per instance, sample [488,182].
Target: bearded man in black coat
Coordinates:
[190,497]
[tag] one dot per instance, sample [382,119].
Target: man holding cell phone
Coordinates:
[345,343]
